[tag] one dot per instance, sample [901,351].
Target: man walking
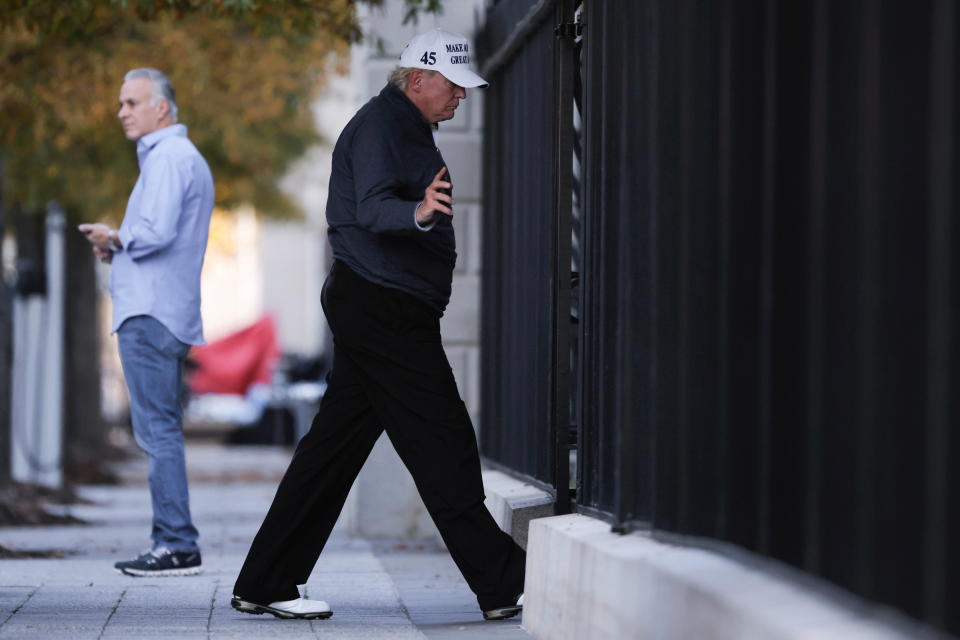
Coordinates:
[156,257]
[389,213]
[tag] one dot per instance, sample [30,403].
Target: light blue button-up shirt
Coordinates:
[164,236]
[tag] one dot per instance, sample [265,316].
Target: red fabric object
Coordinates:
[233,363]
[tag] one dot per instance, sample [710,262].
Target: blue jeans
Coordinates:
[152,361]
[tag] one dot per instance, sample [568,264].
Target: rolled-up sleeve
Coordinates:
[164,183]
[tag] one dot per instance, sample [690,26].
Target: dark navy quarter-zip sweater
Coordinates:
[383,162]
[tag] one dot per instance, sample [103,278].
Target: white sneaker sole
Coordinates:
[258,609]
[502,613]
[165,573]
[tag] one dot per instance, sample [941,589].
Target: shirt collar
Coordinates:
[149,141]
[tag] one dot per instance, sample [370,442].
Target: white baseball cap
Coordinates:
[443,51]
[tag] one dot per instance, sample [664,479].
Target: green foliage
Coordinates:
[245,72]
[416,7]
[83,20]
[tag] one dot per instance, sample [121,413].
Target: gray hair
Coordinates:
[400,76]
[162,89]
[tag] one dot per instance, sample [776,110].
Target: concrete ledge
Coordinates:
[585,582]
[514,504]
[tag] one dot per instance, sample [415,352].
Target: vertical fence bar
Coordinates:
[903,287]
[687,79]
[576,268]
[591,484]
[724,240]
[765,293]
[942,131]
[868,294]
[700,302]
[633,242]
[526,344]
[791,266]
[564,72]
[665,252]
[745,112]
[819,101]
[837,533]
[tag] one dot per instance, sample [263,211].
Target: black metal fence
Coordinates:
[524,240]
[767,351]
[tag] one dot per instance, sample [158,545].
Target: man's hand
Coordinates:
[103,255]
[435,199]
[97,234]
[101,237]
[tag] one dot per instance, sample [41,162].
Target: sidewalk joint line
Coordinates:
[396,591]
[19,606]
[112,611]
[213,603]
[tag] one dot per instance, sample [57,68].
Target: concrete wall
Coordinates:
[583,581]
[513,504]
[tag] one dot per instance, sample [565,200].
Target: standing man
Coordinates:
[155,285]
[389,213]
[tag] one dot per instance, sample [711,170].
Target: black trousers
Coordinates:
[389,372]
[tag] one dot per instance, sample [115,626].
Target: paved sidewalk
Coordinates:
[377,590]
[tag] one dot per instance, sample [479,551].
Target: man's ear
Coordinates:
[163,108]
[415,79]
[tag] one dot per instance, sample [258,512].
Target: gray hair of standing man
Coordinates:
[400,76]
[162,89]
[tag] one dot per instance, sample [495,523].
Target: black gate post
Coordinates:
[564,78]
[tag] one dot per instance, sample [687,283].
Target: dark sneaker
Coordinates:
[300,608]
[505,612]
[162,562]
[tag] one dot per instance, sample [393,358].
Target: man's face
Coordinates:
[137,115]
[439,97]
